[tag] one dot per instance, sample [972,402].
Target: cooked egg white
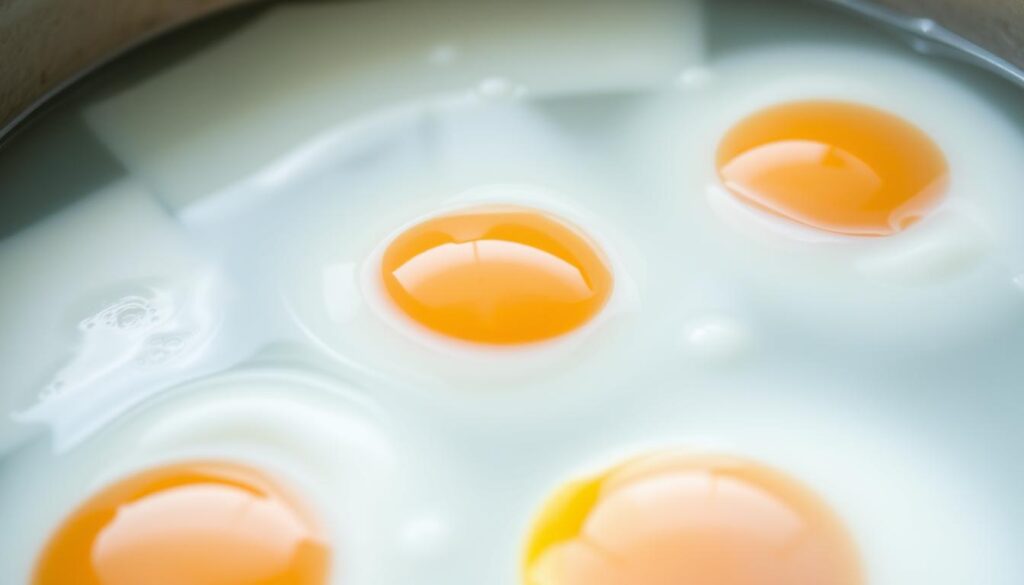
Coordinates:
[242,317]
[308,432]
[886,294]
[108,292]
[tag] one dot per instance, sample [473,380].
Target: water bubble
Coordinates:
[126,314]
[425,536]
[715,338]
[173,343]
[443,54]
[499,88]
[130,317]
[922,46]
[161,348]
[694,78]
[925,25]
[1018,281]
[52,390]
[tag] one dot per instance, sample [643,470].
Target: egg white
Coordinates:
[310,432]
[334,294]
[888,294]
[107,292]
[882,373]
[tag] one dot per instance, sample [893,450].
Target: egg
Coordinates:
[362,299]
[889,284]
[670,518]
[836,166]
[217,524]
[309,460]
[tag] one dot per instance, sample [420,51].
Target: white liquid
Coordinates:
[236,197]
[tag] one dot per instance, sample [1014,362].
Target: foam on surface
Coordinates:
[107,257]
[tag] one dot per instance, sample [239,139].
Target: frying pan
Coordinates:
[45,45]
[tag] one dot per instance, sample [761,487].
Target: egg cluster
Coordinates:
[380,293]
[509,276]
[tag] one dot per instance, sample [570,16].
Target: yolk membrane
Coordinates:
[836,166]
[671,518]
[188,524]
[496,276]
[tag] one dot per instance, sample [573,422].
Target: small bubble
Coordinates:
[425,536]
[174,343]
[443,54]
[499,88]
[132,312]
[131,317]
[694,78]
[52,390]
[161,348]
[923,46]
[1018,281]
[715,338]
[925,25]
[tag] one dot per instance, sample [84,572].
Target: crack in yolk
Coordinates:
[836,166]
[672,519]
[496,276]
[188,524]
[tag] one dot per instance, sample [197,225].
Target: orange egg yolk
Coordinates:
[190,524]
[496,276]
[674,519]
[836,166]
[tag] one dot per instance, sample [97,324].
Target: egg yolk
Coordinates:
[836,166]
[496,276]
[189,524]
[673,519]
